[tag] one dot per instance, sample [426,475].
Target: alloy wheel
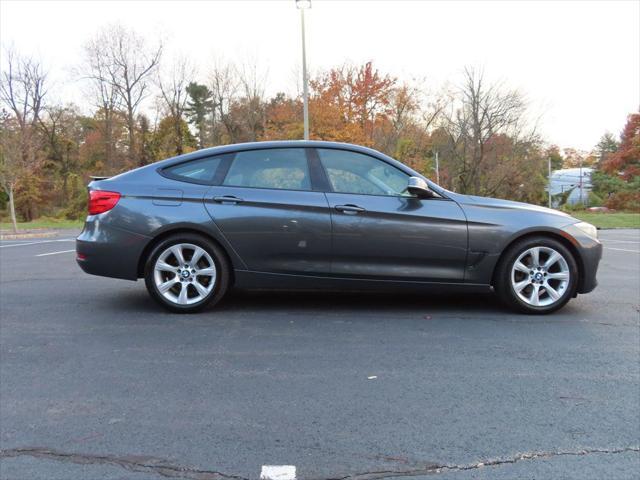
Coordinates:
[184,274]
[540,276]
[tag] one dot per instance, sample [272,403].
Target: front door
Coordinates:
[267,210]
[382,232]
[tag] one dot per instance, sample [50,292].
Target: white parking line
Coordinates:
[622,250]
[619,235]
[38,243]
[619,241]
[278,472]
[55,253]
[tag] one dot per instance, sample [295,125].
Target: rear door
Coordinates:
[267,209]
[382,232]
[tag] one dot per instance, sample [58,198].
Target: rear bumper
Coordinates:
[104,250]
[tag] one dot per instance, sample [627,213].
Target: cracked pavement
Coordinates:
[162,468]
[96,382]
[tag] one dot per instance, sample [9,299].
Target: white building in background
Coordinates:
[570,180]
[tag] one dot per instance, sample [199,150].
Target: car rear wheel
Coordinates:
[186,273]
[537,275]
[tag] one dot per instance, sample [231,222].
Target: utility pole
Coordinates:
[437,169]
[549,182]
[302,5]
[581,180]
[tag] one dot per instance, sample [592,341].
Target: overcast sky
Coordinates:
[577,62]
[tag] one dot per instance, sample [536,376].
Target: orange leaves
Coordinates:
[626,161]
[283,121]
[347,102]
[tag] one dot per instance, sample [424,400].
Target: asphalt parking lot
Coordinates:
[97,382]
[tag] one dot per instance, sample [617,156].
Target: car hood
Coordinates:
[509,204]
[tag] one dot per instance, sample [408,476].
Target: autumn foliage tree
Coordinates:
[619,181]
[626,160]
[144,110]
[347,103]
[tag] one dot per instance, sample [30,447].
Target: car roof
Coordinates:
[235,147]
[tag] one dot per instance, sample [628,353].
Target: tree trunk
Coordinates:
[12,209]
[178,131]
[108,127]
[132,144]
[131,127]
[65,188]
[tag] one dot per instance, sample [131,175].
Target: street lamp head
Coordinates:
[303,4]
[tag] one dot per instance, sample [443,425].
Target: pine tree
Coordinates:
[199,108]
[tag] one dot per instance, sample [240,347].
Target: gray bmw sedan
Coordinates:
[323,215]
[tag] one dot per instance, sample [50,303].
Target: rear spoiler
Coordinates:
[96,177]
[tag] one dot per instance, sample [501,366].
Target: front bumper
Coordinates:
[590,253]
[104,250]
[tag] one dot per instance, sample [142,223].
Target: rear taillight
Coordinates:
[101,201]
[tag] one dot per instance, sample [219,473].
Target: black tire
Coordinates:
[502,280]
[219,258]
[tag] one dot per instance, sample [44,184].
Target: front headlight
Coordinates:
[588,229]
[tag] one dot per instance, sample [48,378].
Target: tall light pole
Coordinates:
[581,180]
[549,180]
[302,5]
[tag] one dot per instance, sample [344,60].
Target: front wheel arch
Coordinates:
[505,283]
[555,236]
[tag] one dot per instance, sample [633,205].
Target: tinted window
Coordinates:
[351,172]
[282,168]
[200,171]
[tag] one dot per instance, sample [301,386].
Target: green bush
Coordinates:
[617,193]
[76,208]
[4,200]
[595,200]
[576,207]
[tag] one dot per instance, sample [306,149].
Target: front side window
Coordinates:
[352,172]
[198,171]
[280,168]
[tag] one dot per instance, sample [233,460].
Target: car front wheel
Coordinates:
[537,275]
[186,273]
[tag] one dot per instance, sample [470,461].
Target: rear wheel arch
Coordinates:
[177,231]
[544,233]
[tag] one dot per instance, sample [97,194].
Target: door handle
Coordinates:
[350,209]
[228,199]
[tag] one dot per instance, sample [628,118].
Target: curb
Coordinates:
[23,236]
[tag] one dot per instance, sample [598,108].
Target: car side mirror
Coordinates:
[419,188]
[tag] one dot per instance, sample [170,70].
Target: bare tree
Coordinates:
[252,103]
[96,69]
[479,114]
[173,93]
[224,87]
[22,92]
[129,65]
[433,108]
[63,134]
[11,161]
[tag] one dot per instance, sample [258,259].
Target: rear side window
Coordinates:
[280,168]
[196,171]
